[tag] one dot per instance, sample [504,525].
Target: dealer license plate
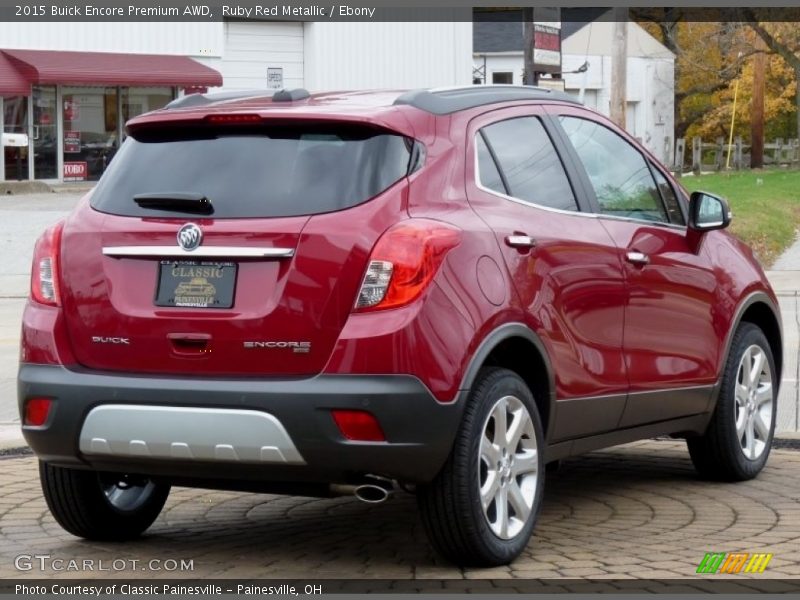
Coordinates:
[196,284]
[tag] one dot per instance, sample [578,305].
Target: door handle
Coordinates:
[520,241]
[637,258]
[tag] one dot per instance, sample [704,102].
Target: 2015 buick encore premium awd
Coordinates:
[438,289]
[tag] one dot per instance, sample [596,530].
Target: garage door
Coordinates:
[251,48]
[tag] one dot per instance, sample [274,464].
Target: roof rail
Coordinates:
[191,100]
[445,101]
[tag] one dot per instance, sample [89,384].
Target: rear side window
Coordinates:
[488,175]
[529,163]
[265,173]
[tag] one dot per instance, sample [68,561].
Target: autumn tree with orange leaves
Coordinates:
[711,57]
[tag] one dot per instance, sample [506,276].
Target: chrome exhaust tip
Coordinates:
[372,493]
[371,489]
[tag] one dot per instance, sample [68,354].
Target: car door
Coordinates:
[564,264]
[669,339]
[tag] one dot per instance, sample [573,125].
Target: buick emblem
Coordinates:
[190,236]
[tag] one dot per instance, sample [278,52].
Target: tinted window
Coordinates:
[669,198]
[529,162]
[488,175]
[273,173]
[619,174]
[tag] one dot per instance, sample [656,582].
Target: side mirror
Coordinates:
[708,212]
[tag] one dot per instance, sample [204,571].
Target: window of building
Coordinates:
[529,162]
[15,120]
[619,174]
[503,77]
[90,130]
[45,132]
[139,100]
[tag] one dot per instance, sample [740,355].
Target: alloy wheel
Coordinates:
[754,402]
[508,464]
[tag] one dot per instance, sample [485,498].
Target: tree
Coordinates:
[708,57]
[779,104]
[784,40]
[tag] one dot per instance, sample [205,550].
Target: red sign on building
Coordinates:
[72,110]
[72,142]
[76,171]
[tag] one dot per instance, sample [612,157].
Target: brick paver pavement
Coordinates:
[637,511]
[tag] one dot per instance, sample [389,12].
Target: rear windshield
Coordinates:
[269,173]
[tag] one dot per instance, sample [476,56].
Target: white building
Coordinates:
[71,86]
[650,114]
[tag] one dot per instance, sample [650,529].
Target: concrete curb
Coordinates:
[13,188]
[11,436]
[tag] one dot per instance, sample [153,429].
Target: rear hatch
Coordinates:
[283,219]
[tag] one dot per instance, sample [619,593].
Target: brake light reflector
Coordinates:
[45,269]
[358,425]
[36,411]
[404,262]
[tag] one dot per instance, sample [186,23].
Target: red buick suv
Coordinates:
[442,290]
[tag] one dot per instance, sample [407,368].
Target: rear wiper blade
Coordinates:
[178,201]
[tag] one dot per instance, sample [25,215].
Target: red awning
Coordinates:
[102,68]
[12,83]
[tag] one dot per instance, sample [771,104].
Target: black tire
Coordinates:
[78,501]
[719,454]
[451,507]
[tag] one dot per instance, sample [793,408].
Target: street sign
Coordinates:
[547,40]
[551,84]
[15,140]
[275,78]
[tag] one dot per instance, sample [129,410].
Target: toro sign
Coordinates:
[76,171]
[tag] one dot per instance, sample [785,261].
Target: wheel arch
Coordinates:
[516,347]
[764,316]
[759,309]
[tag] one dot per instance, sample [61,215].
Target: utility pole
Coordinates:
[757,113]
[619,67]
[529,38]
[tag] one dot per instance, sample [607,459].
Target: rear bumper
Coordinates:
[237,430]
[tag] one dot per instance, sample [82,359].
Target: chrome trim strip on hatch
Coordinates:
[187,433]
[201,252]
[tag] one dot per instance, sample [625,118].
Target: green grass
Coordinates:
[765,206]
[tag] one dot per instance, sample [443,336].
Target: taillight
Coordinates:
[44,272]
[404,262]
